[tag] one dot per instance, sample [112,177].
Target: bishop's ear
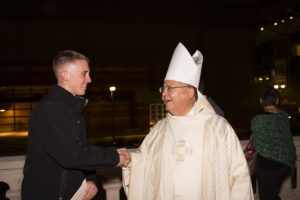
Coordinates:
[191,92]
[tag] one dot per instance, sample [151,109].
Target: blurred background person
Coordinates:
[216,108]
[4,187]
[273,141]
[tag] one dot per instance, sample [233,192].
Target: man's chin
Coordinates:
[81,93]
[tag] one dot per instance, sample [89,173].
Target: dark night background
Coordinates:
[130,44]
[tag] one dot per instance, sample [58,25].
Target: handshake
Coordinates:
[125,157]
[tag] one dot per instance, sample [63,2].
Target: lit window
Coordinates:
[282,20]
[2,110]
[112,88]
[267,78]
[298,49]
[260,78]
[282,86]
[276,86]
[291,17]
[261,28]
[275,23]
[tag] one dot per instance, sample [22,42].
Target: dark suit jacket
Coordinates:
[58,157]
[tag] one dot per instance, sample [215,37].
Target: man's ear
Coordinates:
[64,75]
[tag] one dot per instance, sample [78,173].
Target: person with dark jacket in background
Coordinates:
[3,189]
[215,106]
[59,159]
[273,141]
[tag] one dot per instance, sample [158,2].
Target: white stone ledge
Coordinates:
[11,172]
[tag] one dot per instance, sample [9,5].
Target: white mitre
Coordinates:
[185,68]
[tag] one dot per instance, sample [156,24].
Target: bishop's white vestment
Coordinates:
[196,157]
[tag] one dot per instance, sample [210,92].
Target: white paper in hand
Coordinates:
[79,193]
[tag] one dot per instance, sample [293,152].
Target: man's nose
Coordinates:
[89,79]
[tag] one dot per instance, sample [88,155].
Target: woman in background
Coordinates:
[273,141]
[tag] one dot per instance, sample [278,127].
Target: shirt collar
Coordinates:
[75,102]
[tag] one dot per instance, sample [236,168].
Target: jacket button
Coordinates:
[78,121]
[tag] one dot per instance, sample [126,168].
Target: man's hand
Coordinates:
[122,160]
[124,154]
[90,190]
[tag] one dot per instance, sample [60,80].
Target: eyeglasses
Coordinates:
[170,89]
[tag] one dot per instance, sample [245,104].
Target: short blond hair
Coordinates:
[66,56]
